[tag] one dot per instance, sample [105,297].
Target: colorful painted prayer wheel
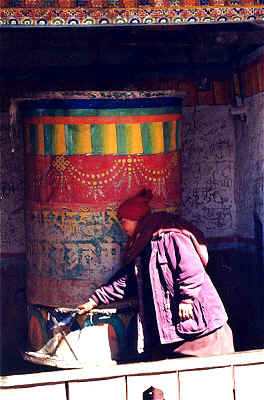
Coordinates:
[84,157]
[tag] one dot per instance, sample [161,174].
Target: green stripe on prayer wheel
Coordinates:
[97,139]
[75,129]
[146,138]
[129,138]
[69,129]
[72,139]
[48,139]
[167,126]
[121,136]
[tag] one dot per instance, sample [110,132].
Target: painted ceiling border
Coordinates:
[77,16]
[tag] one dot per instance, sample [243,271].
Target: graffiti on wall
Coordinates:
[208,170]
[11,192]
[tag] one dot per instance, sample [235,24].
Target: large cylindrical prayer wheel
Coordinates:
[83,157]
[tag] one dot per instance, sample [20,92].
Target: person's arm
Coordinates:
[114,290]
[87,307]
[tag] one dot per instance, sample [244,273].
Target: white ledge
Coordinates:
[103,372]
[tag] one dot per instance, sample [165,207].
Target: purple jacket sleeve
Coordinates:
[183,258]
[117,287]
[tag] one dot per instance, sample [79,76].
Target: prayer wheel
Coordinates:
[83,157]
[57,338]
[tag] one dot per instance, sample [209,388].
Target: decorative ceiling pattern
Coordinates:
[43,13]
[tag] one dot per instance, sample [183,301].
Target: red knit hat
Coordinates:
[136,207]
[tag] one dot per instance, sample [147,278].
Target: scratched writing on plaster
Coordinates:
[211,219]
[208,170]
[204,196]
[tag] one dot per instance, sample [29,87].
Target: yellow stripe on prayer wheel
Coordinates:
[82,139]
[134,139]
[157,139]
[40,139]
[109,138]
[59,139]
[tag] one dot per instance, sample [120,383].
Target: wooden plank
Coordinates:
[50,392]
[249,382]
[168,383]
[215,383]
[110,389]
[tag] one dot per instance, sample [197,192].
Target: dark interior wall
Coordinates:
[13,309]
[12,244]
[121,58]
[249,192]
[250,147]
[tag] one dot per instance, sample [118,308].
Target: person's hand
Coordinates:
[185,311]
[86,307]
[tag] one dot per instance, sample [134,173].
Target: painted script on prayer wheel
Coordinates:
[83,158]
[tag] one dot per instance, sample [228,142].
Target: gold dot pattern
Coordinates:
[126,166]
